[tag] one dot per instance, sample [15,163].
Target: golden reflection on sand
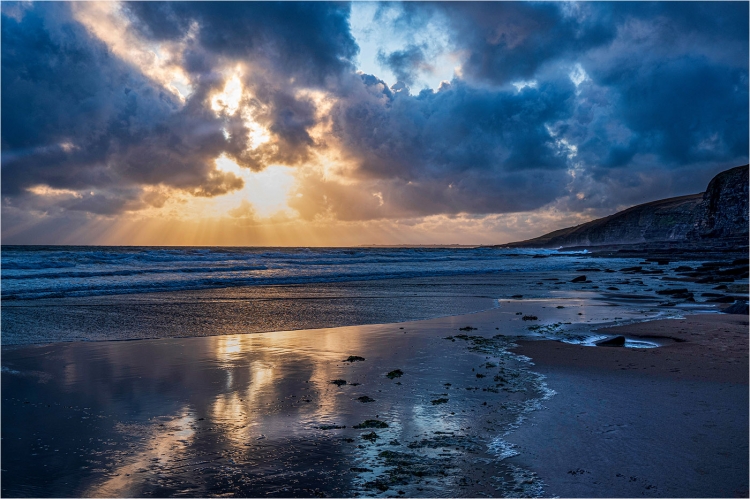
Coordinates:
[162,444]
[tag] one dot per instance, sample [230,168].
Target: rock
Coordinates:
[719,213]
[739,307]
[371,423]
[396,373]
[580,278]
[372,436]
[675,291]
[631,269]
[338,382]
[354,358]
[615,341]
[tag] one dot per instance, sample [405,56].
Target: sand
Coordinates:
[662,422]
[257,414]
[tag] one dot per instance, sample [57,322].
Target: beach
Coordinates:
[470,385]
[462,413]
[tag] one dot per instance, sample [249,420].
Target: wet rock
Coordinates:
[354,358]
[467,328]
[396,373]
[674,291]
[338,382]
[739,307]
[530,318]
[580,278]
[331,427]
[364,399]
[360,470]
[727,299]
[439,401]
[615,341]
[370,437]
[371,423]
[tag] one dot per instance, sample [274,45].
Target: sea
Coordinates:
[90,293]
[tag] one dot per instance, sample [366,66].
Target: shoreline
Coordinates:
[474,435]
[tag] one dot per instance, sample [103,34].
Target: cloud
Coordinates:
[580,107]
[75,117]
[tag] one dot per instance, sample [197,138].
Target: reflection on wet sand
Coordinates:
[255,415]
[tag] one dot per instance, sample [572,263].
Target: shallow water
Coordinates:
[254,415]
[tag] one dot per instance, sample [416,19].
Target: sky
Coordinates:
[338,124]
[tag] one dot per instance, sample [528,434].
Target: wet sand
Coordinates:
[661,422]
[257,414]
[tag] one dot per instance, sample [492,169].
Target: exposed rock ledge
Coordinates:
[719,213]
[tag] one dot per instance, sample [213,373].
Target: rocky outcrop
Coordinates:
[719,213]
[724,209]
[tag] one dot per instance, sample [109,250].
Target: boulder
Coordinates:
[739,307]
[614,341]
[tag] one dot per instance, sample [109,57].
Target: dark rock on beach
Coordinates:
[615,341]
[739,307]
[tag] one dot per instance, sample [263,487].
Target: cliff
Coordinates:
[719,213]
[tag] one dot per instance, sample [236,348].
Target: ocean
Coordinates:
[33,272]
[91,293]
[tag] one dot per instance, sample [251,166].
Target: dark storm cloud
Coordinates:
[76,117]
[310,40]
[287,45]
[405,63]
[461,149]
[662,93]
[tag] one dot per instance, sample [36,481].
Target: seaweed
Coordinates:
[371,423]
[370,437]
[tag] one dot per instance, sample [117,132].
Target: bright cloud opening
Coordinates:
[267,191]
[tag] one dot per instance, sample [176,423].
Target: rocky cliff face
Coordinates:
[723,211]
[720,212]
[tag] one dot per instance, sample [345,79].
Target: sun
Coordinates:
[266,190]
